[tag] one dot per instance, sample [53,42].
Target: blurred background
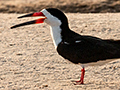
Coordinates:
[73,6]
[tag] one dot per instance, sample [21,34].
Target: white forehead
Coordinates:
[51,20]
[45,12]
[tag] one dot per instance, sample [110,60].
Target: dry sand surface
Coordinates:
[28,60]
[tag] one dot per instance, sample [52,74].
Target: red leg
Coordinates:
[81,78]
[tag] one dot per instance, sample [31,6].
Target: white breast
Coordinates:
[56,35]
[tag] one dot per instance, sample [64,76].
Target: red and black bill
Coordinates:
[41,20]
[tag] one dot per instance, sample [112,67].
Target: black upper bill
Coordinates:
[28,15]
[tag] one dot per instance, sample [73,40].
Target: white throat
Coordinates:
[54,27]
[56,35]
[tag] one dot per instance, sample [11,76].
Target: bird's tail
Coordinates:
[114,42]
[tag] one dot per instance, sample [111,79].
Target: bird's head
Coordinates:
[51,16]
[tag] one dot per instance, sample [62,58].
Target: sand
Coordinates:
[28,60]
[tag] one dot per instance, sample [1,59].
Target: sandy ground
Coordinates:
[28,60]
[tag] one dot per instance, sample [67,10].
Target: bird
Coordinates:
[76,48]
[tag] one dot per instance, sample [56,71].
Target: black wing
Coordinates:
[87,49]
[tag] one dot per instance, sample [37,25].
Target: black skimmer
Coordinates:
[72,46]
